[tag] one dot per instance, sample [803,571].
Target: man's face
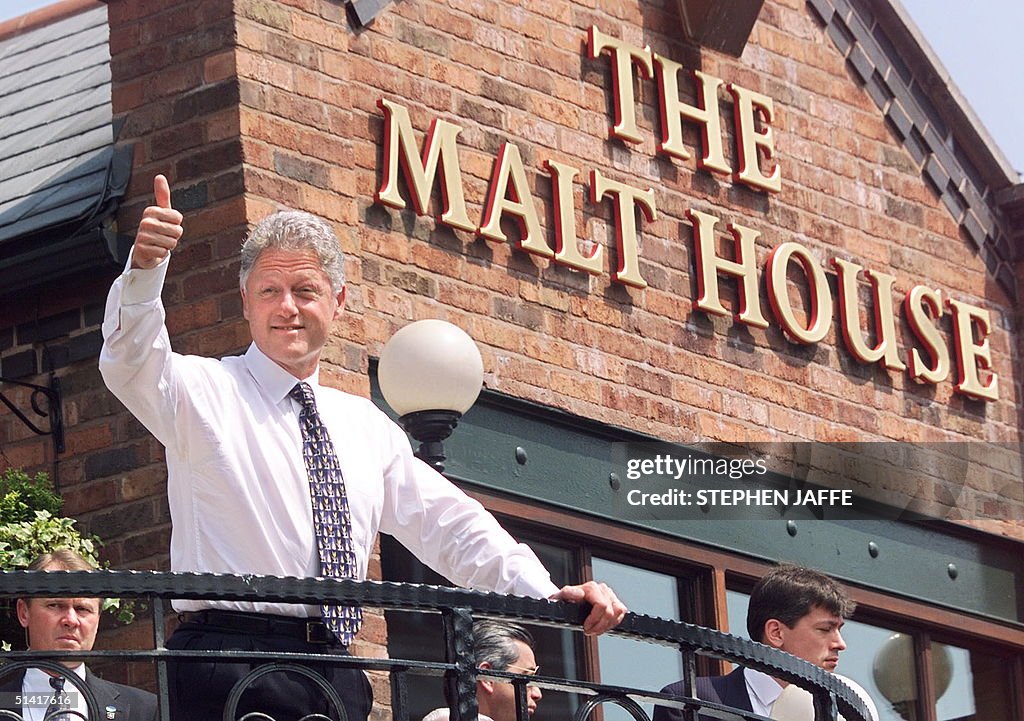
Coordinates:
[290,307]
[60,624]
[498,700]
[815,637]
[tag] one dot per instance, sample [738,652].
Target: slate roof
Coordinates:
[60,175]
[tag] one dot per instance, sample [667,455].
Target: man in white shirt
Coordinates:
[254,441]
[66,624]
[794,609]
[501,646]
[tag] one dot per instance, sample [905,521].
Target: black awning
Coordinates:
[61,175]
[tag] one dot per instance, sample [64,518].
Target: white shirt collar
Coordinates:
[37,682]
[40,679]
[274,380]
[764,690]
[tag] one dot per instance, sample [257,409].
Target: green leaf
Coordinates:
[21,495]
[31,524]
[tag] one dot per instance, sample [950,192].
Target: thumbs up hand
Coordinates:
[159,229]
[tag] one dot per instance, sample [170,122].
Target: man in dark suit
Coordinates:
[793,609]
[66,624]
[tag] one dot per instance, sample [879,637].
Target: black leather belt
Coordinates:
[310,630]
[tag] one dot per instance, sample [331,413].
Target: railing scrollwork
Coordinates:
[458,609]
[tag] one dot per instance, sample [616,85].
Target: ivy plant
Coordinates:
[31,524]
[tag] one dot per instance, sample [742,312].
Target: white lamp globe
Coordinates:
[894,669]
[430,365]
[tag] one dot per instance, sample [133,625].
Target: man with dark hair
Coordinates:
[66,624]
[270,471]
[794,609]
[501,646]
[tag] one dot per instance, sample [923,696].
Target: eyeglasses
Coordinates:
[523,670]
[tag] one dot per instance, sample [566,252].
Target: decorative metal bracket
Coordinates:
[53,408]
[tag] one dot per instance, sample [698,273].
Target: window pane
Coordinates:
[634,663]
[736,607]
[883,663]
[559,652]
[969,684]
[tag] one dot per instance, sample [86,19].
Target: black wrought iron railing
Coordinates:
[458,609]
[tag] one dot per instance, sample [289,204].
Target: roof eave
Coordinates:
[932,75]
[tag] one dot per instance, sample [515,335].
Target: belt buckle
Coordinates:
[317,632]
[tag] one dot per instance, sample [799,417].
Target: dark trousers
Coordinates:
[199,689]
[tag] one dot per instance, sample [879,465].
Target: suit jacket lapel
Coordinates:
[106,698]
[10,686]
[736,693]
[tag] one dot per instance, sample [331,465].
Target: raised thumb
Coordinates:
[162,191]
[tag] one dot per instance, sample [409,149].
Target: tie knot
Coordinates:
[57,682]
[303,393]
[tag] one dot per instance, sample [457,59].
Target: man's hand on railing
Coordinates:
[607,610]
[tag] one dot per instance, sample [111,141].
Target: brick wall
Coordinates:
[53,330]
[313,135]
[109,474]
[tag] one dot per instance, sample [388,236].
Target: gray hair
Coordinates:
[494,643]
[297,231]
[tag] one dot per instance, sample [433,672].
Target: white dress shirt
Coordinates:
[237,485]
[36,686]
[797,704]
[763,690]
[443,714]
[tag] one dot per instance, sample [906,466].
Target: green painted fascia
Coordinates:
[540,454]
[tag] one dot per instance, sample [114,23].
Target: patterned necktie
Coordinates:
[332,521]
[58,703]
